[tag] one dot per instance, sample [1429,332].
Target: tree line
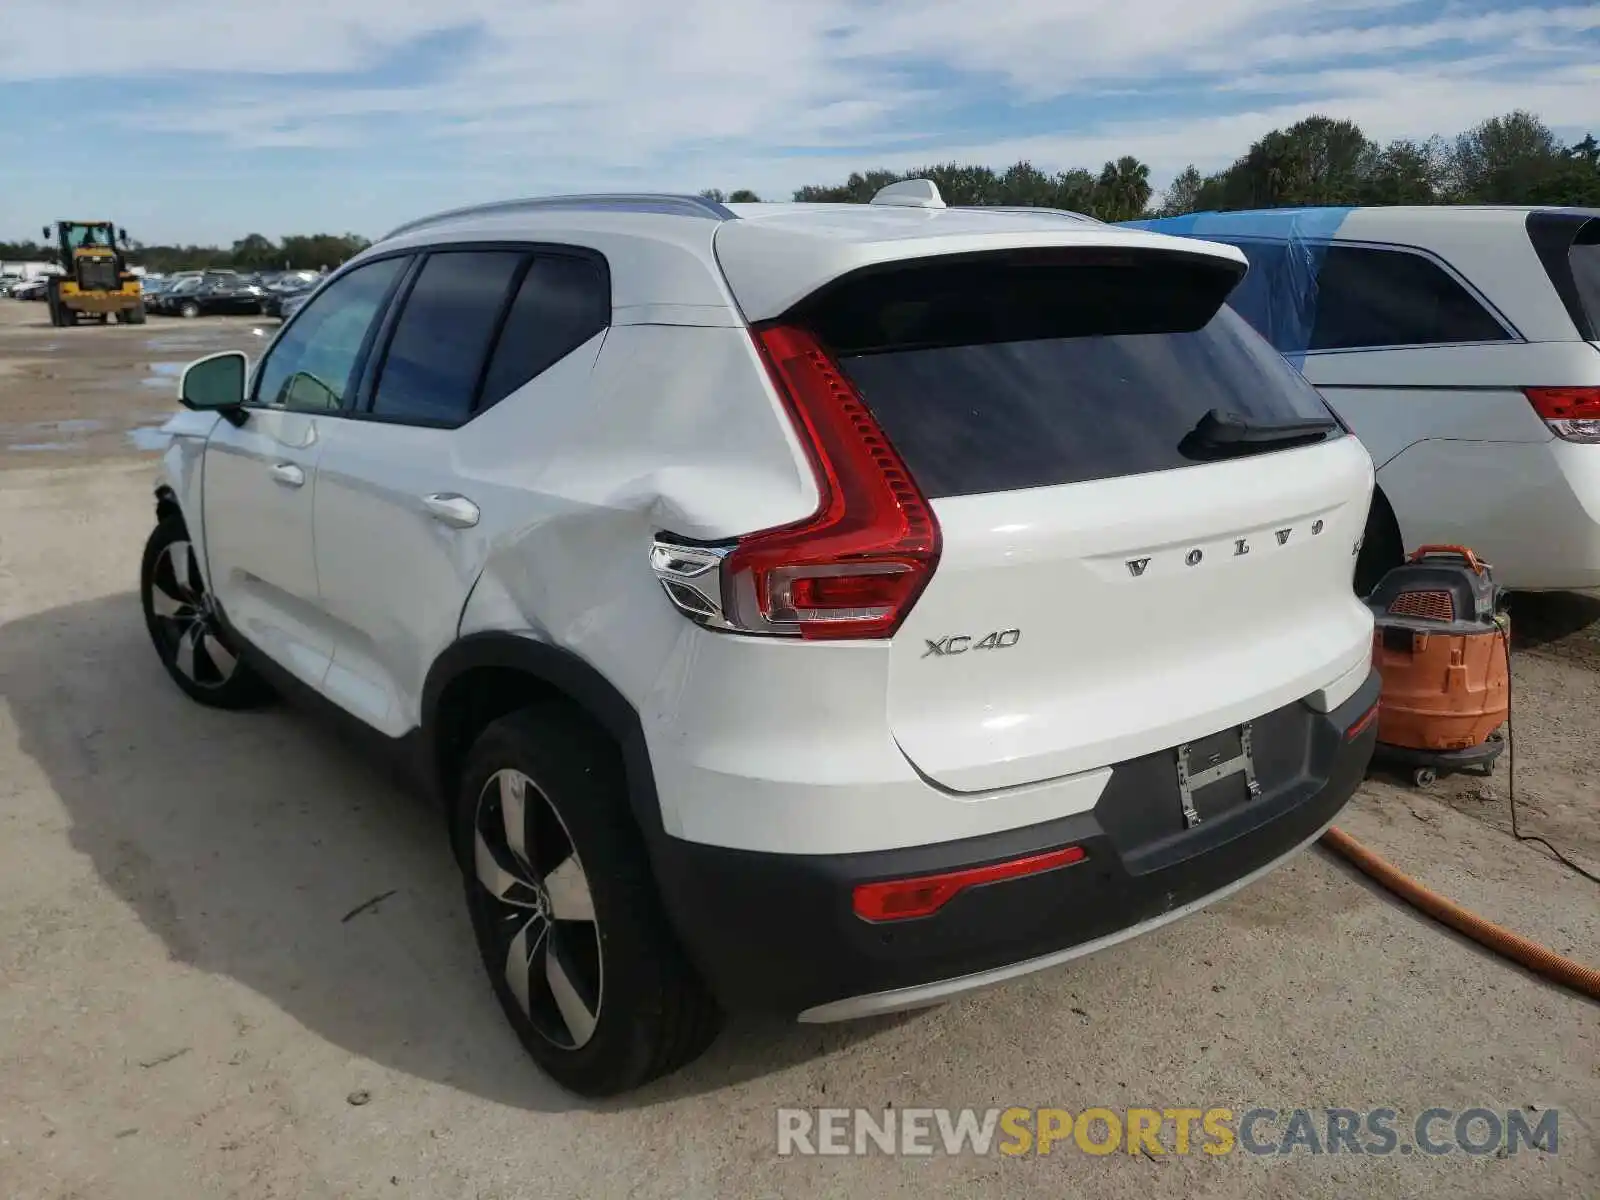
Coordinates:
[1510,159]
[253,252]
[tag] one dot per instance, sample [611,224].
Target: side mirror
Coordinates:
[46,231]
[216,384]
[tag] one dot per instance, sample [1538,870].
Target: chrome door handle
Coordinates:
[287,474]
[451,509]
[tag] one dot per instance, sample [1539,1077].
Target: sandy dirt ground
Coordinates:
[187,1007]
[95,391]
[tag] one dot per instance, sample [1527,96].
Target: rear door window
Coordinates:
[1368,297]
[430,371]
[564,301]
[1034,371]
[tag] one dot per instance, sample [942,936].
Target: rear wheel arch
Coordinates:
[1382,546]
[486,676]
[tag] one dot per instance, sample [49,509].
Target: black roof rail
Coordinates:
[664,204]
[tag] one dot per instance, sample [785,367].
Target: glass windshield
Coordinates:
[80,236]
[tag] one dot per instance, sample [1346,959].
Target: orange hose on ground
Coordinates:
[1537,958]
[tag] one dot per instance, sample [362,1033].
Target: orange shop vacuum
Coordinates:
[1442,646]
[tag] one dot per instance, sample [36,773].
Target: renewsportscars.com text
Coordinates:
[1155,1132]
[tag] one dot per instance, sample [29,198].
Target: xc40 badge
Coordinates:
[960,643]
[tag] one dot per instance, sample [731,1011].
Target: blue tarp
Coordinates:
[1285,247]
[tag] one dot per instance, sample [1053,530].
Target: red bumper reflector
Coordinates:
[899,899]
[1361,723]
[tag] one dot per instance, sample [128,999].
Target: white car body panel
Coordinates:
[258,536]
[1109,665]
[182,470]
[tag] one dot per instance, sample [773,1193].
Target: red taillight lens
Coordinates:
[901,899]
[1360,724]
[1572,413]
[854,568]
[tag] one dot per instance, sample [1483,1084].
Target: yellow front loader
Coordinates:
[96,279]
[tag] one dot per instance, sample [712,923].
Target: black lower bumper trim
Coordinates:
[776,933]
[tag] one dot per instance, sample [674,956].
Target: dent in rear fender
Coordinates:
[681,426]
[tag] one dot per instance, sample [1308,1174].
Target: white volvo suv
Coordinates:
[820,610]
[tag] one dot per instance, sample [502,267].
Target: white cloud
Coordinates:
[535,95]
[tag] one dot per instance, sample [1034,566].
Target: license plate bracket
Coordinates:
[1211,760]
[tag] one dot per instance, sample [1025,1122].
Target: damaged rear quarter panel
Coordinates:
[675,429]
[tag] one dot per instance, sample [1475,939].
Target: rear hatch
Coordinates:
[1116,575]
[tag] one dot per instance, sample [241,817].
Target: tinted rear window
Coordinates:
[998,376]
[1583,260]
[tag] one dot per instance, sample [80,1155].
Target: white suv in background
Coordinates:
[814,609]
[1462,344]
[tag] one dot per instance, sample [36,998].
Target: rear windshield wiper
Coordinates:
[1222,434]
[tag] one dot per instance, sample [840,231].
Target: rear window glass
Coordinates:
[994,377]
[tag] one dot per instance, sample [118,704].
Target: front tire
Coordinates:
[579,952]
[189,311]
[183,624]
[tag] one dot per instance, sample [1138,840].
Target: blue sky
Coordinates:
[219,119]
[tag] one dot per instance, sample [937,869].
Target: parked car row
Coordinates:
[224,292]
[26,289]
[202,293]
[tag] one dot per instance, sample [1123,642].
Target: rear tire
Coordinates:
[593,981]
[136,315]
[189,311]
[190,641]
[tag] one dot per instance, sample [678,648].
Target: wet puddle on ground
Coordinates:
[164,375]
[44,436]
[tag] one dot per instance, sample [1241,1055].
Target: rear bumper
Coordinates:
[776,933]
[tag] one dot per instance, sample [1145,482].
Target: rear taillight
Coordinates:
[855,566]
[924,895]
[1572,413]
[1359,726]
